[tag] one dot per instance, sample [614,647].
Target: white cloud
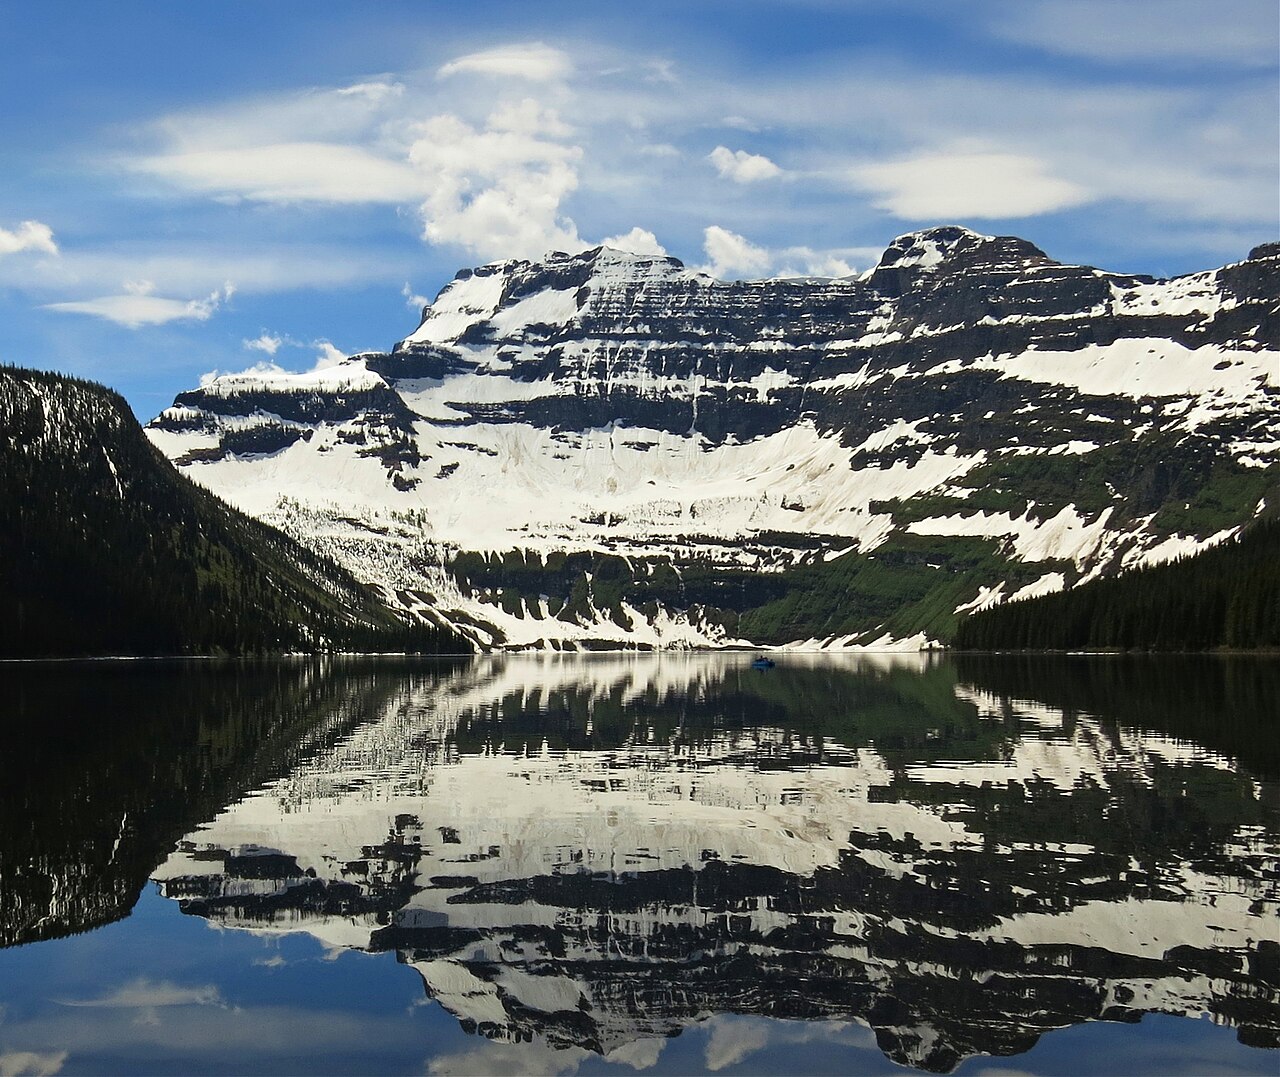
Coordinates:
[497,190]
[28,236]
[258,369]
[732,256]
[946,185]
[742,167]
[492,181]
[638,1054]
[637,241]
[267,342]
[147,993]
[32,1063]
[495,1059]
[329,356]
[836,262]
[536,62]
[497,179]
[727,252]
[259,264]
[733,1040]
[288,172]
[412,300]
[137,308]
[661,71]
[376,91]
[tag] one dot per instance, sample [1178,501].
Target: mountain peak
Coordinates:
[551,291]
[952,244]
[929,247]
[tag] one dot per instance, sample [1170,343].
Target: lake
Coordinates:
[641,863]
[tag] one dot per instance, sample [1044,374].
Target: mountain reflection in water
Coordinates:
[598,853]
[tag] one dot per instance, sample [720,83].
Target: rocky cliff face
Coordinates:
[606,449]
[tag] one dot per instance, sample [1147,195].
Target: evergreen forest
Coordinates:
[1225,597]
[105,549]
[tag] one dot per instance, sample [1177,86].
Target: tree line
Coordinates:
[1225,597]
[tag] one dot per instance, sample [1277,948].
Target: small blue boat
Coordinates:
[763,663]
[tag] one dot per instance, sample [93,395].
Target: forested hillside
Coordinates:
[1225,597]
[106,549]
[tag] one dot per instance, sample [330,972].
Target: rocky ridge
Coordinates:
[605,449]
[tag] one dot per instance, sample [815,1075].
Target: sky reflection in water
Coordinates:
[617,864]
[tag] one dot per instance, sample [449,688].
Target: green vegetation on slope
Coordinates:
[1188,484]
[911,583]
[1226,596]
[106,549]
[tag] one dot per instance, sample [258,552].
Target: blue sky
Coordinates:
[191,187]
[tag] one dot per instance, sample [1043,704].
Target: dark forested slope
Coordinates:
[106,549]
[1226,596]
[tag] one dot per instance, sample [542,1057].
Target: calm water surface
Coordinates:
[670,864]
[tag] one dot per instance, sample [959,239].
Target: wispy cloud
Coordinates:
[259,369]
[198,265]
[535,61]
[955,186]
[214,1035]
[327,354]
[732,256]
[375,91]
[412,299]
[138,307]
[288,172]
[516,150]
[498,1059]
[833,262]
[151,993]
[732,1041]
[1238,32]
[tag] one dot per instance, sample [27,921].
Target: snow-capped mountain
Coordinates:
[574,853]
[606,449]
